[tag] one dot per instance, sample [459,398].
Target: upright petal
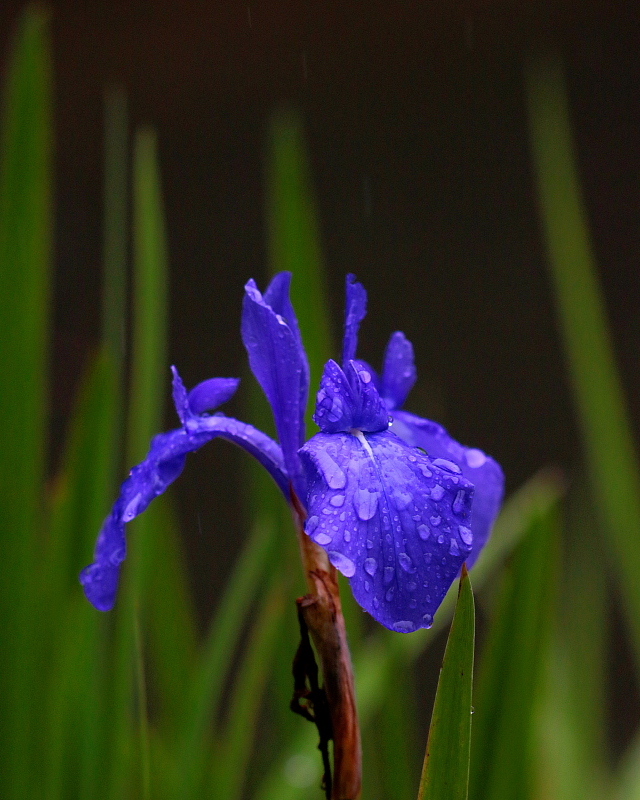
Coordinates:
[392,520]
[399,371]
[279,362]
[349,399]
[356,310]
[483,471]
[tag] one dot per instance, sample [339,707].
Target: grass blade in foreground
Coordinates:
[513,667]
[607,435]
[446,763]
[25,230]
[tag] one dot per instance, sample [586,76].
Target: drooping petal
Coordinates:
[163,464]
[391,520]
[483,471]
[279,362]
[399,371]
[356,310]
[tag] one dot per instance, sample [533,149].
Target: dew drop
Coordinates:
[343,516]
[369,544]
[437,492]
[428,620]
[376,602]
[389,595]
[347,535]
[367,586]
[365,503]
[444,463]
[388,574]
[323,538]
[370,566]
[423,532]
[334,476]
[341,562]
[401,499]
[404,626]
[458,503]
[406,563]
[441,539]
[435,520]
[428,557]
[454,549]
[337,500]
[465,535]
[132,509]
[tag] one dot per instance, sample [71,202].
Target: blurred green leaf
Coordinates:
[602,412]
[25,233]
[513,667]
[446,763]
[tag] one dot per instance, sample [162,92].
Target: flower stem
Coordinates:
[322,612]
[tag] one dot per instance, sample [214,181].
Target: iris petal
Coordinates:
[483,471]
[279,362]
[356,310]
[399,371]
[392,521]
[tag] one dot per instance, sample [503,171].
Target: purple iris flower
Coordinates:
[397,522]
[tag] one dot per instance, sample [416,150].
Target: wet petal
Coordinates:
[399,370]
[211,394]
[391,520]
[483,471]
[356,310]
[163,464]
[279,363]
[349,399]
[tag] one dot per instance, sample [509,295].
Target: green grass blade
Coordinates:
[233,758]
[25,233]
[385,655]
[446,763]
[149,386]
[513,668]
[606,431]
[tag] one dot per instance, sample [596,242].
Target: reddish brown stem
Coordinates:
[322,612]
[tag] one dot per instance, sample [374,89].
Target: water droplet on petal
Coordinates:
[323,538]
[454,549]
[342,563]
[428,557]
[367,586]
[423,532]
[444,463]
[437,492]
[347,535]
[389,595]
[376,602]
[435,520]
[428,620]
[370,566]
[365,503]
[388,574]
[312,524]
[465,535]
[334,476]
[132,509]
[404,626]
[337,500]
[406,563]
[458,503]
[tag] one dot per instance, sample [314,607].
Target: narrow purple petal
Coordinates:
[211,394]
[399,371]
[163,464]
[391,520]
[356,310]
[279,362]
[483,471]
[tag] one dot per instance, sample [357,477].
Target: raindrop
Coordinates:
[423,532]
[347,535]
[338,500]
[388,574]
[132,509]
[365,503]
[406,563]
[465,535]
[389,595]
[370,566]
[458,503]
[404,626]
[341,562]
[428,620]
[367,586]
[334,476]
[437,492]
[444,463]
[435,520]
[323,538]
[454,549]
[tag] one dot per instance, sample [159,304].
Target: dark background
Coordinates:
[417,136]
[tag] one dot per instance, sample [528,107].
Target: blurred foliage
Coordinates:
[135,704]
